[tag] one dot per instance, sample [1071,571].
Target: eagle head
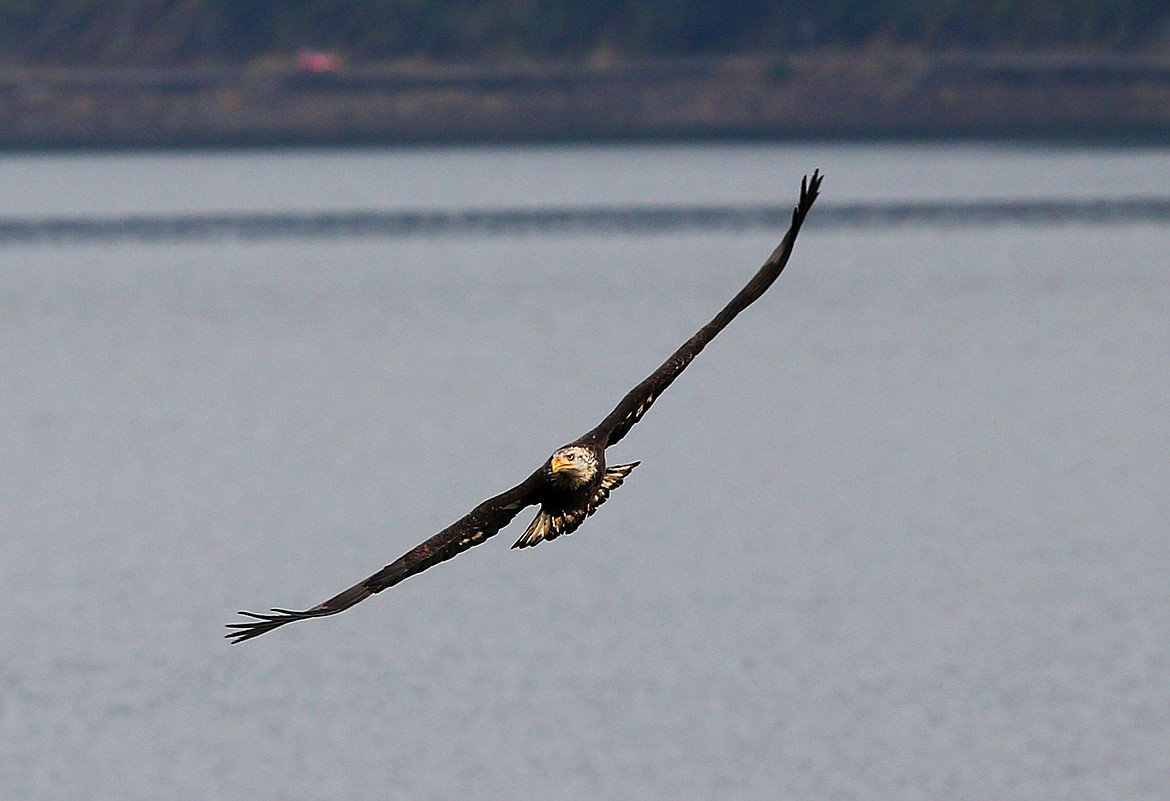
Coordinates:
[573,466]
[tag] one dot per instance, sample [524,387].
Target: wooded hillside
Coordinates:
[210,32]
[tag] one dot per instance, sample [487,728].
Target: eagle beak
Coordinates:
[559,463]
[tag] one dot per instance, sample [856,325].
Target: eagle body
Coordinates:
[572,483]
[576,483]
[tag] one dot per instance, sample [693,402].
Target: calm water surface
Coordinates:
[901,532]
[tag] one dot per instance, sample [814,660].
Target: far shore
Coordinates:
[822,95]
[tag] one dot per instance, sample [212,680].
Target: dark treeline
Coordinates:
[209,32]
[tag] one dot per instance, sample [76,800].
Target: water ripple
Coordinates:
[626,219]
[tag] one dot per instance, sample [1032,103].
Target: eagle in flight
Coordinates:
[571,484]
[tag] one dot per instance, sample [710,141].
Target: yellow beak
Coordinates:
[559,463]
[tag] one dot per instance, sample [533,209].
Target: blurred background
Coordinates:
[287,287]
[209,72]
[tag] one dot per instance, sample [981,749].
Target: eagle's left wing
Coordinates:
[477,526]
[639,399]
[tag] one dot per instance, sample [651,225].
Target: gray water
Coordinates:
[901,532]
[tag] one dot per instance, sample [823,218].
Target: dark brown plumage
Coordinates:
[574,481]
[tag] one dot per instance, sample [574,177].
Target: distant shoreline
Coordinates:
[802,96]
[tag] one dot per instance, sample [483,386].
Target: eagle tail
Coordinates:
[549,526]
[539,530]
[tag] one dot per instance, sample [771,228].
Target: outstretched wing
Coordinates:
[478,525]
[638,400]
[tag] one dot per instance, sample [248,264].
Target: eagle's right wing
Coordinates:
[478,525]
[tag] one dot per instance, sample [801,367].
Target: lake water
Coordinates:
[901,532]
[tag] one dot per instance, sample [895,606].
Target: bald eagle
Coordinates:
[575,479]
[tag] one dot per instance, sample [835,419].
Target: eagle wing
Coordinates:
[639,399]
[478,525]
